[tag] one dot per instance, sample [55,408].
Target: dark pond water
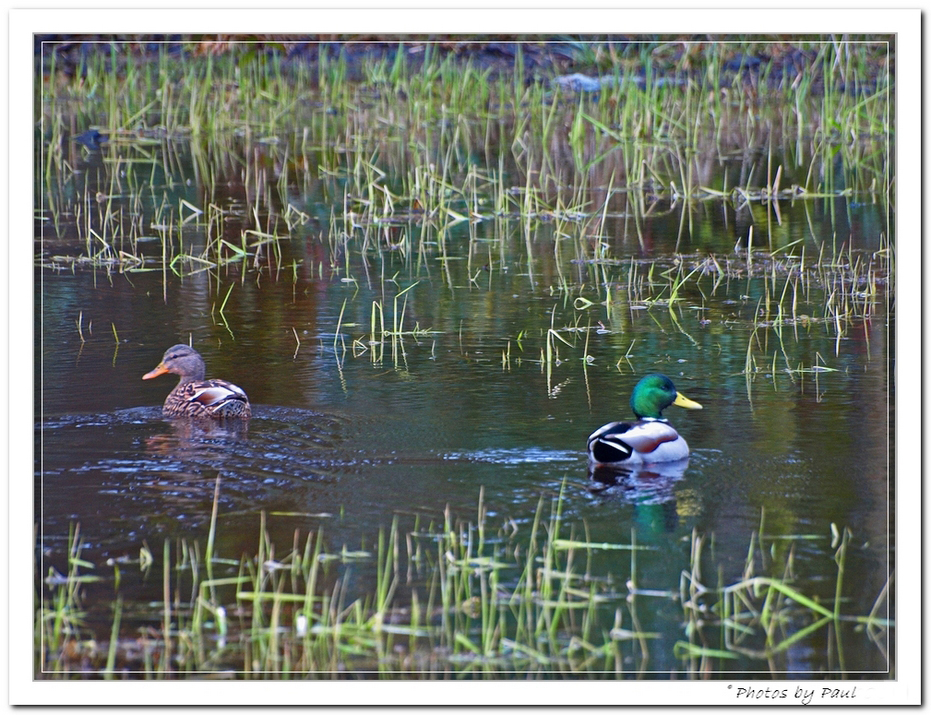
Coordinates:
[349,433]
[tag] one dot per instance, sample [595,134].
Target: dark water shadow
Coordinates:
[131,472]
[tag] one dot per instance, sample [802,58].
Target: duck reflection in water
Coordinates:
[187,437]
[653,481]
[649,487]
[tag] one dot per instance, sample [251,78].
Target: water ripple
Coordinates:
[529,455]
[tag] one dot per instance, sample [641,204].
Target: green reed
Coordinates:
[251,87]
[457,596]
[762,617]
[434,177]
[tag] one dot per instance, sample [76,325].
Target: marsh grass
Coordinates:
[413,153]
[454,598]
[787,294]
[424,127]
[764,617]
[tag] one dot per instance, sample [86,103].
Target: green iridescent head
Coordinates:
[654,393]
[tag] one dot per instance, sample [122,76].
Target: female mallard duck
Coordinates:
[194,396]
[651,438]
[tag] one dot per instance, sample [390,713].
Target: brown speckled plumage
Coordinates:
[195,396]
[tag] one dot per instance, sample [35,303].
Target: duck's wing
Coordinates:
[212,392]
[215,397]
[622,441]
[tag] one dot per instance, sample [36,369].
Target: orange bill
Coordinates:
[160,370]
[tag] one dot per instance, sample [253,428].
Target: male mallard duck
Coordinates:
[651,438]
[194,396]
